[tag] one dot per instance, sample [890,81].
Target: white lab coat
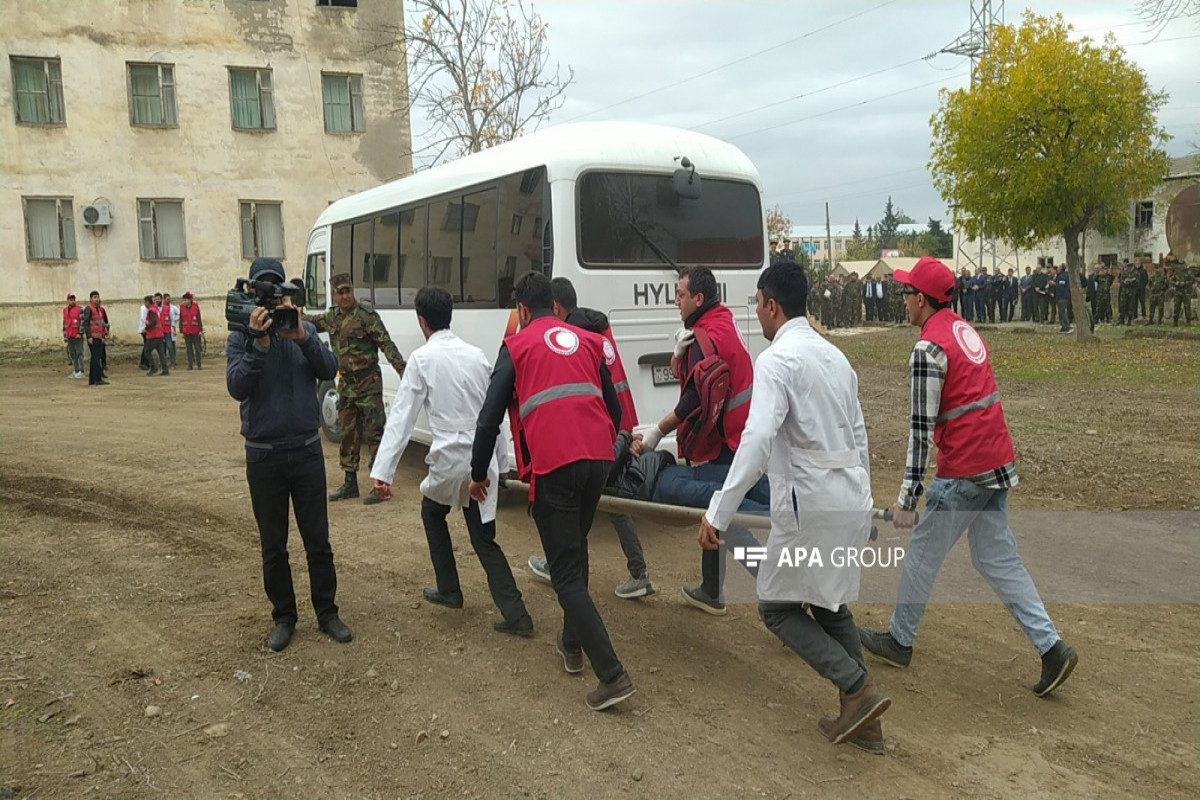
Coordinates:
[448,378]
[806,429]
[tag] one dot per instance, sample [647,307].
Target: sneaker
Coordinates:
[607,695]
[101,382]
[702,600]
[1057,665]
[151,373]
[634,587]
[883,646]
[572,662]
[337,630]
[372,498]
[281,635]
[447,599]
[539,568]
[520,627]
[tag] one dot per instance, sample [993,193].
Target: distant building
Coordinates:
[812,239]
[162,145]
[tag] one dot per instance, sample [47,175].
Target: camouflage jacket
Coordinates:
[356,338]
[1184,282]
[1158,284]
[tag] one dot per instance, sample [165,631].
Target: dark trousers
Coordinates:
[980,306]
[275,477]
[1064,315]
[827,640]
[192,342]
[631,546]
[483,539]
[143,363]
[1026,311]
[564,505]
[96,367]
[991,302]
[151,347]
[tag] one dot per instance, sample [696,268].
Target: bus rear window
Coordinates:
[631,220]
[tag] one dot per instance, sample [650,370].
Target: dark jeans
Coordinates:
[483,539]
[1064,315]
[827,640]
[631,546]
[151,347]
[564,505]
[96,367]
[275,477]
[192,342]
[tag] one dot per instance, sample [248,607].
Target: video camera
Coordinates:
[239,304]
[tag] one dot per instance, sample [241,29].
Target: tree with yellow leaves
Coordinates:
[480,69]
[779,225]
[1055,136]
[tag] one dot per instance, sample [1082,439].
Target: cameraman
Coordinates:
[274,374]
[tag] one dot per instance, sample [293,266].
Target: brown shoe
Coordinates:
[606,695]
[857,710]
[868,738]
[572,662]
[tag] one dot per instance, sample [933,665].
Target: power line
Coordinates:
[839,184]
[730,63]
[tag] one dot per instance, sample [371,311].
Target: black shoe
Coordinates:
[449,599]
[101,382]
[1057,665]
[281,635]
[520,627]
[337,630]
[372,498]
[696,596]
[881,645]
[347,490]
[151,373]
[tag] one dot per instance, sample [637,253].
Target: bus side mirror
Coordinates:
[685,180]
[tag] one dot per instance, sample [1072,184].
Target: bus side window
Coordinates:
[524,206]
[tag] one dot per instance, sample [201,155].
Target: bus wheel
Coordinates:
[327,396]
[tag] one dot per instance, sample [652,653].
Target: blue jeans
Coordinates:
[954,505]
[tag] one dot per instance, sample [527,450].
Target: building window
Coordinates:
[251,99]
[343,103]
[338,3]
[262,229]
[37,84]
[160,230]
[460,217]
[439,270]
[152,95]
[1145,214]
[49,228]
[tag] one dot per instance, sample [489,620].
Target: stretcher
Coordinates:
[682,515]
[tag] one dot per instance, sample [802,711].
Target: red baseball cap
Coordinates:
[928,276]
[186,295]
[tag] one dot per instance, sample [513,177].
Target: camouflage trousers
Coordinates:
[360,416]
[1183,306]
[1156,302]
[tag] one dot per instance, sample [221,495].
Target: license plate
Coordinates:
[663,376]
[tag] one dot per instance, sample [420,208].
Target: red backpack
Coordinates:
[699,434]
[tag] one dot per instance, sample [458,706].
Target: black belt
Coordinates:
[283,445]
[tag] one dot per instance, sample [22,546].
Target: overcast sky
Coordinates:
[717,67]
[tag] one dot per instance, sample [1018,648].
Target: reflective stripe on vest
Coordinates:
[557,392]
[977,405]
[739,399]
[623,386]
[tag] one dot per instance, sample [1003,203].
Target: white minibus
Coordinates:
[615,207]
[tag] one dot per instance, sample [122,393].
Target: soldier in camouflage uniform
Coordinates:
[356,335]
[1126,297]
[1104,282]
[1183,283]
[1158,286]
[852,300]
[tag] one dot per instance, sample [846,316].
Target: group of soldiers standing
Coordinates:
[840,301]
[1173,283]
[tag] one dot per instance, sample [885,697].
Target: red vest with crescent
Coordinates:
[559,403]
[71,321]
[160,328]
[970,432]
[96,323]
[189,319]
[616,369]
[720,326]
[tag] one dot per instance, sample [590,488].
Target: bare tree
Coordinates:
[479,70]
[779,225]
[1159,13]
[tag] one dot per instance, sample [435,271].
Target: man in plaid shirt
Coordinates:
[956,405]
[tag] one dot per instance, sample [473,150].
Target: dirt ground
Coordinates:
[133,660]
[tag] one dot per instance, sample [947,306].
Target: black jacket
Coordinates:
[631,477]
[278,386]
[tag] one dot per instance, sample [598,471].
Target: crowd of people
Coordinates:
[158,323]
[785,434]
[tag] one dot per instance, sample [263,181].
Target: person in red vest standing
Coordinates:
[93,321]
[155,330]
[699,301]
[956,405]
[191,326]
[556,375]
[566,308]
[73,335]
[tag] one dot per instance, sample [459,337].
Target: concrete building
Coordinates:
[812,239]
[161,145]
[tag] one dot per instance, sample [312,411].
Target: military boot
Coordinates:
[348,489]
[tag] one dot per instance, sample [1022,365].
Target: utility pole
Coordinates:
[828,238]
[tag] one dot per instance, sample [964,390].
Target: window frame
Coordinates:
[257,233]
[163,87]
[153,220]
[1144,214]
[262,104]
[357,124]
[53,94]
[65,224]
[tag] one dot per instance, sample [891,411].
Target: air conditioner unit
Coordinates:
[97,215]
